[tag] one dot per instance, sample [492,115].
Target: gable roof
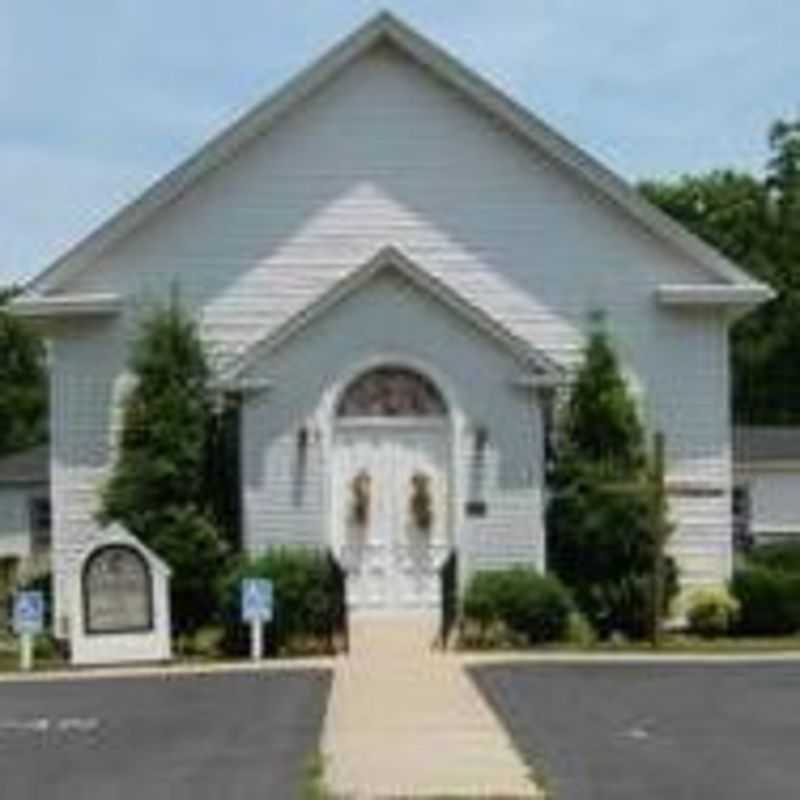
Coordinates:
[386,28]
[765,443]
[540,369]
[26,466]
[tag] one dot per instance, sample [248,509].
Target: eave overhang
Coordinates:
[66,306]
[743,295]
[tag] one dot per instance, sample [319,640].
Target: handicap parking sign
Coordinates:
[257,600]
[28,613]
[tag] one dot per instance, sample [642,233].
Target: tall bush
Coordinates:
[601,524]
[158,488]
[781,556]
[769,601]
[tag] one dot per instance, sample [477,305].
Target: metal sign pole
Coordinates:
[257,608]
[28,621]
[26,652]
[657,500]
[256,640]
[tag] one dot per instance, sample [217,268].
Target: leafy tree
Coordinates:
[23,382]
[755,221]
[600,519]
[158,489]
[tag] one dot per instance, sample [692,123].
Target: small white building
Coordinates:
[395,264]
[25,518]
[767,482]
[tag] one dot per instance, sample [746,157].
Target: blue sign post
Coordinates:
[257,608]
[28,621]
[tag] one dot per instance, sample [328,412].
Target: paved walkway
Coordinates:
[405,721]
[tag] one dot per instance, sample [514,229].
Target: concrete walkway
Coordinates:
[404,720]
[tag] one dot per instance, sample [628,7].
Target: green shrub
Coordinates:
[783,556]
[712,611]
[528,604]
[305,600]
[769,601]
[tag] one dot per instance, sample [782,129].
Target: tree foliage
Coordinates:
[600,520]
[23,382]
[158,489]
[755,221]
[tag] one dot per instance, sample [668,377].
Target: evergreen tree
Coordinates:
[158,489]
[23,382]
[600,516]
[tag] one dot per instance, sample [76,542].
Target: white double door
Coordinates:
[391,506]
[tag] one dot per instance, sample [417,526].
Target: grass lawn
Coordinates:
[46,656]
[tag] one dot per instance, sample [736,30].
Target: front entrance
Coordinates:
[391,490]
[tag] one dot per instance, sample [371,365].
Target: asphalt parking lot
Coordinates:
[647,732]
[220,737]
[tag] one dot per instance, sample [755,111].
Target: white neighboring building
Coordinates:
[767,481]
[25,518]
[395,264]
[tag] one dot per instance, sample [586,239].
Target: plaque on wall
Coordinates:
[117,591]
[476,508]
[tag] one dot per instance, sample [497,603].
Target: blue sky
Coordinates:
[97,99]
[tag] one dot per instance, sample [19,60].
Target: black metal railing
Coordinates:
[448,576]
[339,629]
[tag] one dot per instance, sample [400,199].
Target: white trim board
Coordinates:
[67,305]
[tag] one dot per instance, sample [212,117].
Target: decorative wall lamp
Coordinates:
[481,439]
[476,505]
[303,437]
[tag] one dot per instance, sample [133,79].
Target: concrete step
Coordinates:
[414,632]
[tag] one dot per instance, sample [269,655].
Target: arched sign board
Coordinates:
[117,591]
[120,603]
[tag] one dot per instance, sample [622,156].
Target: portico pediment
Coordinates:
[535,367]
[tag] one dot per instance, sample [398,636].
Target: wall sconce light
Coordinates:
[302,439]
[481,438]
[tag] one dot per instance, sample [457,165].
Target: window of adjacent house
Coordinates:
[40,522]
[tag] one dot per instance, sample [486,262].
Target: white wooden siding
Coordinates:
[384,155]
[88,363]
[285,501]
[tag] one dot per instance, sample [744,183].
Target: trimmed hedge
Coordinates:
[307,604]
[769,600]
[533,606]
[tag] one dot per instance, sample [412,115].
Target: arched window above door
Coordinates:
[391,391]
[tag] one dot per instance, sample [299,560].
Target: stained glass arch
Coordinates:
[391,391]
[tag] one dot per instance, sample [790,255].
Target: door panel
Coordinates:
[391,562]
